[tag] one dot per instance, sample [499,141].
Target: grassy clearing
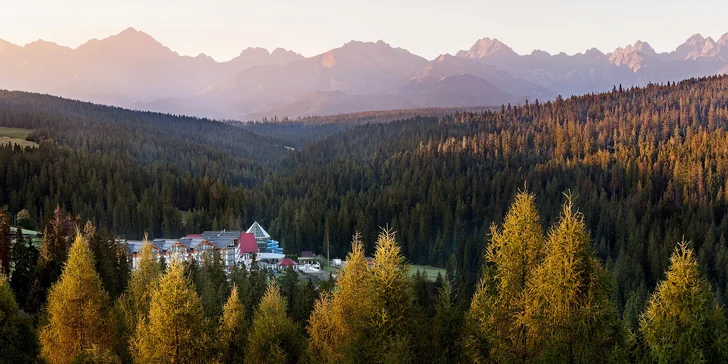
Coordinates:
[430,271]
[15,136]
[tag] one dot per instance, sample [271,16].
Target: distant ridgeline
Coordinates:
[647,166]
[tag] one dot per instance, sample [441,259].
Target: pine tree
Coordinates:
[232,333]
[682,324]
[5,253]
[174,329]
[78,309]
[18,343]
[25,259]
[568,313]
[515,251]
[273,337]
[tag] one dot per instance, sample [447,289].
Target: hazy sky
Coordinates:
[222,28]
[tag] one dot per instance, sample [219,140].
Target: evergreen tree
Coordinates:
[682,323]
[54,248]
[107,253]
[18,343]
[174,329]
[25,259]
[274,337]
[446,328]
[568,314]
[515,251]
[78,309]
[213,284]
[232,333]
[5,253]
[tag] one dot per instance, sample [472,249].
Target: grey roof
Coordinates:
[219,234]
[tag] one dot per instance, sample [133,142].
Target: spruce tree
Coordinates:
[18,343]
[174,329]
[5,253]
[57,237]
[446,327]
[682,323]
[213,284]
[515,251]
[25,259]
[568,314]
[78,309]
[274,337]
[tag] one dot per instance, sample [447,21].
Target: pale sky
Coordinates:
[222,28]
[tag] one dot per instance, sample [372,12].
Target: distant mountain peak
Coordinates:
[540,53]
[487,47]
[695,40]
[593,52]
[723,40]
[254,51]
[632,56]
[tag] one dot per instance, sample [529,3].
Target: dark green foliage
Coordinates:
[252,283]
[110,258]
[25,221]
[5,236]
[213,286]
[25,260]
[18,343]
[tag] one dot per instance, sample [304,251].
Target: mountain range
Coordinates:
[131,69]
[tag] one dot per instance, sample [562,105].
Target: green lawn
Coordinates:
[431,271]
[15,136]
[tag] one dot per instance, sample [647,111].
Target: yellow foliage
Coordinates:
[174,330]
[681,323]
[232,331]
[274,337]
[78,309]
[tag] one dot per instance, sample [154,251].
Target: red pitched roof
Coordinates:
[247,243]
[287,263]
[194,235]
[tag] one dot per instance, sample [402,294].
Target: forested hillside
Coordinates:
[194,145]
[647,167]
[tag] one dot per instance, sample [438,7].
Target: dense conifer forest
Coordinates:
[591,229]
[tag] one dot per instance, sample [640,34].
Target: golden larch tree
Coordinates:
[78,309]
[682,323]
[174,329]
[338,324]
[273,337]
[568,315]
[232,333]
[515,251]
